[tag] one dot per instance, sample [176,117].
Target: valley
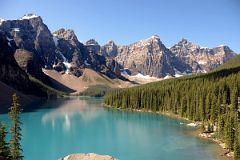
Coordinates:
[64,86]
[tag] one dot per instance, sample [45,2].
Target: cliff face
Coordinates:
[34,42]
[10,72]
[202,59]
[31,34]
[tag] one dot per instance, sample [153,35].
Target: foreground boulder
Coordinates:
[88,156]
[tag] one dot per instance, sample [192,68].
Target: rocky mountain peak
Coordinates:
[111,42]
[184,41]
[67,34]
[93,46]
[109,49]
[31,34]
[91,42]
[187,44]
[150,40]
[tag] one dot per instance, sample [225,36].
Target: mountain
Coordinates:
[53,57]
[60,51]
[202,59]
[33,37]
[150,57]
[77,56]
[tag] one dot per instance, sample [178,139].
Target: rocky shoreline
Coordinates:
[226,152]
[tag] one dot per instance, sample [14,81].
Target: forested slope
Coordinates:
[211,98]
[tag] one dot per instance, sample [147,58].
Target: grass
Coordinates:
[46,88]
[96,91]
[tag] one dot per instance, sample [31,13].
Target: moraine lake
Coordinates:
[81,125]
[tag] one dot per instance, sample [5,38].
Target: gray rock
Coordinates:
[88,156]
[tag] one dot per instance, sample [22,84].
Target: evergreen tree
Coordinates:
[210,97]
[229,129]
[237,144]
[4,150]
[15,130]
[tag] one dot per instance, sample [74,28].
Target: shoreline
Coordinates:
[221,150]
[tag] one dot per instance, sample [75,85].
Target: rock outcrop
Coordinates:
[88,156]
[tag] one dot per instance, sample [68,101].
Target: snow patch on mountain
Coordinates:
[146,77]
[29,16]
[66,63]
[86,63]
[167,77]
[202,62]
[2,20]
[55,39]
[16,29]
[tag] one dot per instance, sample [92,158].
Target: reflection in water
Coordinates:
[67,109]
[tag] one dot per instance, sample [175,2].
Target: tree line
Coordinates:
[12,150]
[212,98]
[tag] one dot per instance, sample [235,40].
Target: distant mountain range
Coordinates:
[151,57]
[34,49]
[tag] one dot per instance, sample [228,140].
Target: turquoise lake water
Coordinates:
[81,125]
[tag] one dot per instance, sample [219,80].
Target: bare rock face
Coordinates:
[150,57]
[73,53]
[31,34]
[104,64]
[10,73]
[109,49]
[29,62]
[9,69]
[202,59]
[89,156]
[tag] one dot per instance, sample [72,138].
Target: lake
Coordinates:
[81,125]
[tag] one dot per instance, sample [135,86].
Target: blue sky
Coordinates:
[208,23]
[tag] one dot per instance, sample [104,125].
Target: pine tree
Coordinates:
[15,130]
[237,143]
[229,131]
[4,150]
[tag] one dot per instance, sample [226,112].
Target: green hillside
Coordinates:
[235,62]
[211,98]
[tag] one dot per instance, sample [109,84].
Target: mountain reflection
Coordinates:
[69,108]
